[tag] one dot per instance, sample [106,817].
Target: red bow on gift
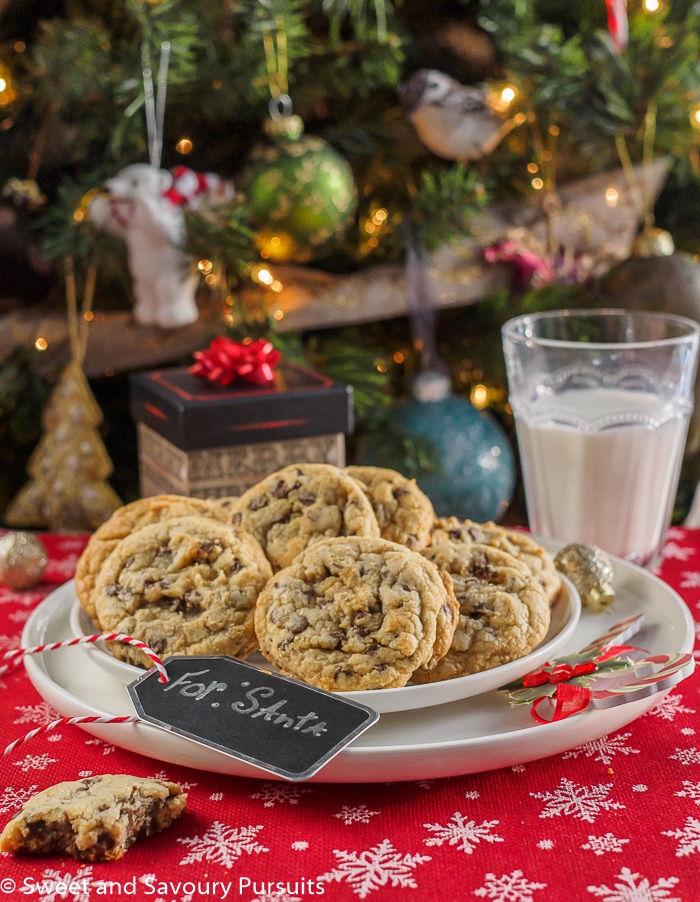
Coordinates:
[227,361]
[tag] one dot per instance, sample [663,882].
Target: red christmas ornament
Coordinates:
[617,24]
[227,361]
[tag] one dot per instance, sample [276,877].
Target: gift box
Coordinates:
[201,439]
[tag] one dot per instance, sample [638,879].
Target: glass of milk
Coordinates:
[602,400]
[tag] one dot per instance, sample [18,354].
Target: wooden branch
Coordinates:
[588,224]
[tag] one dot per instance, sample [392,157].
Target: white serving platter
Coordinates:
[469,735]
[565,617]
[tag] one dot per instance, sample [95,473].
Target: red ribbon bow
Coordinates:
[559,674]
[227,361]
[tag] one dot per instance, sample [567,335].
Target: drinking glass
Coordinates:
[602,401]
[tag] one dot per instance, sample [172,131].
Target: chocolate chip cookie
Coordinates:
[356,613]
[405,513]
[122,523]
[302,504]
[185,586]
[96,819]
[519,544]
[503,610]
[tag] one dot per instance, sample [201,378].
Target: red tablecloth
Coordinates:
[617,819]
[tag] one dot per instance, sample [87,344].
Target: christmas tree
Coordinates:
[323,126]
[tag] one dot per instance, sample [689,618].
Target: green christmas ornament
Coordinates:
[301,196]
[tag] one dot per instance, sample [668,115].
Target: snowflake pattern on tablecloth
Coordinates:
[690,579]
[282,793]
[545,844]
[154,885]
[53,885]
[675,552]
[668,707]
[382,865]
[107,747]
[686,756]
[603,749]
[635,888]
[62,571]
[301,845]
[222,844]
[359,814]
[163,775]
[582,802]
[608,842]
[511,887]
[690,791]
[462,833]
[12,799]
[8,643]
[276,897]
[37,714]
[21,599]
[688,836]
[34,762]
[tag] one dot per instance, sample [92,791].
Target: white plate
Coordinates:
[463,737]
[565,617]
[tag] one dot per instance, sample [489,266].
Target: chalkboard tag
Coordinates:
[271,721]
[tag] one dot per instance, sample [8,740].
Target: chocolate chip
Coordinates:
[256,504]
[298,624]
[281,489]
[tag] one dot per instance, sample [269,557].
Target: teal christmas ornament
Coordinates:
[472,475]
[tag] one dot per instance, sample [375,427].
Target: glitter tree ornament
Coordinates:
[300,192]
[70,465]
[23,560]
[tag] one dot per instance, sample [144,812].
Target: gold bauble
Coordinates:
[591,571]
[23,560]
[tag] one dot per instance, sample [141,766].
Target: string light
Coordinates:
[7,91]
[502,97]
[695,116]
[611,197]
[278,248]
[479,396]
[184,146]
[262,275]
[41,344]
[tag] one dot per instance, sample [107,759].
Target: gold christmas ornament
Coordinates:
[68,490]
[23,560]
[591,571]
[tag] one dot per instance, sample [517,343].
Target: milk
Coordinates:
[613,487]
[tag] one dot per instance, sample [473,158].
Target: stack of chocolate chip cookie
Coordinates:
[342,577]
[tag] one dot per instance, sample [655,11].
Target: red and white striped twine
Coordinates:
[62,721]
[15,655]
